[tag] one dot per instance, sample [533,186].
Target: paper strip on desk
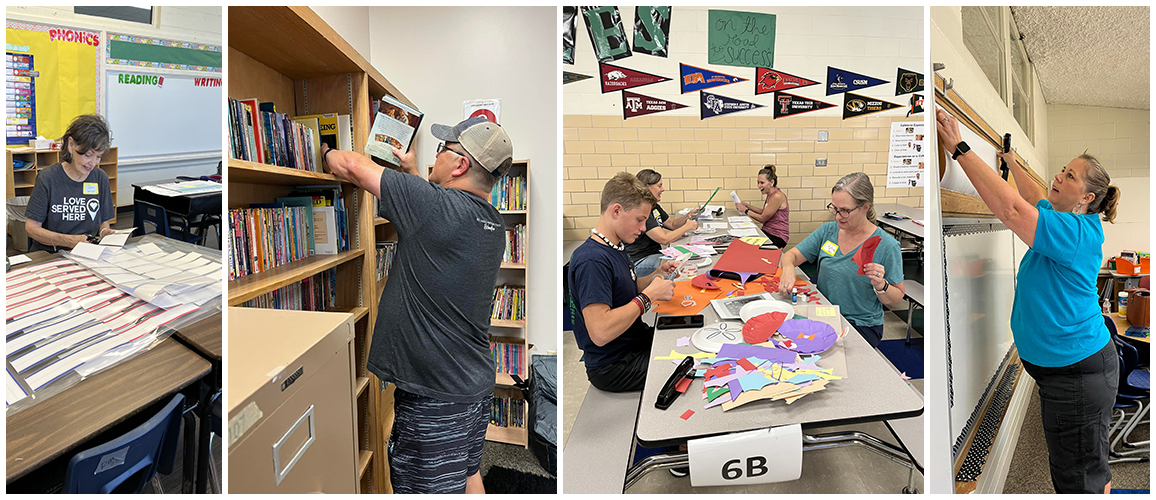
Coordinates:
[115,239]
[32,306]
[18,259]
[210,269]
[739,233]
[30,285]
[148,248]
[166,259]
[162,273]
[100,298]
[45,331]
[88,250]
[59,345]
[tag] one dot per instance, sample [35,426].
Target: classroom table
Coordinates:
[184,207]
[872,391]
[109,397]
[903,229]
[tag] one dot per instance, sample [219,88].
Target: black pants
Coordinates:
[1076,405]
[872,334]
[628,374]
[777,241]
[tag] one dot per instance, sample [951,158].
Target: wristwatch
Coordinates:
[747,212]
[884,290]
[960,149]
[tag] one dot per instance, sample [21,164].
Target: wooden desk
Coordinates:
[1122,326]
[62,422]
[204,337]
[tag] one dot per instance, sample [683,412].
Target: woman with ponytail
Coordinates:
[774,216]
[1056,320]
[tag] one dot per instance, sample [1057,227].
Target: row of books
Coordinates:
[310,221]
[508,412]
[385,251]
[315,293]
[260,135]
[509,193]
[509,302]
[515,244]
[507,357]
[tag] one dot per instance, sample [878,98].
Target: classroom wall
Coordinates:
[695,156]
[972,84]
[352,23]
[440,57]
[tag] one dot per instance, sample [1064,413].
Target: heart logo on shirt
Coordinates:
[93,207]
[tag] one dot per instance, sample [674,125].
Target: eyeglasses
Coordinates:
[442,147]
[838,212]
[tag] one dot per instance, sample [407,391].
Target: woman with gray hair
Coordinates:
[859,289]
[661,229]
[1056,320]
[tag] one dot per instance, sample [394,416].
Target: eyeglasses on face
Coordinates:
[442,147]
[838,212]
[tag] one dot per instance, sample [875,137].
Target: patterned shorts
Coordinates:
[435,445]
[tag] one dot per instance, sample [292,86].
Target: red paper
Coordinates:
[747,365]
[682,385]
[743,257]
[717,371]
[686,416]
[705,282]
[760,328]
[866,253]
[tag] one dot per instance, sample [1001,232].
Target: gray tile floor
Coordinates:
[841,470]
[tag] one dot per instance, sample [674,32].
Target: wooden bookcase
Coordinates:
[510,331]
[21,182]
[291,57]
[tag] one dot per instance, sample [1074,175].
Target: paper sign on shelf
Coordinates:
[761,456]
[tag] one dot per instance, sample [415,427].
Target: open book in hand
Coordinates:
[394,126]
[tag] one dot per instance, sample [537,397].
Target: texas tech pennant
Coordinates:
[857,105]
[839,81]
[907,82]
[712,105]
[769,80]
[694,79]
[568,77]
[787,104]
[619,78]
[637,105]
[916,104]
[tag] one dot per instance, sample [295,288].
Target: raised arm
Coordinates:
[1027,187]
[664,236]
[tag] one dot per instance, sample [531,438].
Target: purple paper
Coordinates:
[682,342]
[739,372]
[736,388]
[809,336]
[772,354]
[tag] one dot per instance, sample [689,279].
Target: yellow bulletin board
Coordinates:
[65,74]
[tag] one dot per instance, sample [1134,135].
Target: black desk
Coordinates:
[185,207]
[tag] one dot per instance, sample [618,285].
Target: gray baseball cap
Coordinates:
[482,139]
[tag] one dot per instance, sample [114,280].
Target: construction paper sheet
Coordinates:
[18,259]
[866,252]
[700,297]
[760,328]
[725,380]
[682,385]
[810,389]
[766,392]
[735,387]
[754,381]
[746,258]
[675,355]
[711,393]
[736,351]
[705,282]
[687,414]
[682,342]
[808,336]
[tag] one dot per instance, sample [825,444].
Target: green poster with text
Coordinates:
[741,39]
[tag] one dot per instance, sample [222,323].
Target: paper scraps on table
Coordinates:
[687,414]
[903,376]
[866,253]
[736,351]
[760,328]
[683,384]
[682,342]
[683,288]
[808,336]
[675,355]
[705,282]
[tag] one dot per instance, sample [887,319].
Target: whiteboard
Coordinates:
[981,288]
[954,179]
[175,117]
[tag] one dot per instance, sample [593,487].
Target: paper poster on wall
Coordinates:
[569,15]
[741,38]
[712,105]
[769,80]
[788,104]
[637,105]
[695,79]
[915,104]
[905,159]
[907,82]
[63,72]
[568,77]
[856,105]
[151,52]
[839,80]
[652,30]
[619,78]
[490,109]
[20,98]
[607,36]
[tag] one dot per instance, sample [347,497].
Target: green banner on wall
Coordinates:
[741,39]
[165,56]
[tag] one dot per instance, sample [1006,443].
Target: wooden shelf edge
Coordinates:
[253,172]
[362,383]
[377,221]
[358,313]
[504,379]
[254,285]
[507,323]
[513,212]
[508,435]
[363,457]
[514,265]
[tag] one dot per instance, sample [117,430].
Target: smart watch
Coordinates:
[885,286]
[960,149]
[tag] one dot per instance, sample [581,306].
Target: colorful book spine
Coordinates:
[264,238]
[315,293]
[509,303]
[385,251]
[515,244]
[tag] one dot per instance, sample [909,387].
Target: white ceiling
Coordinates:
[1089,56]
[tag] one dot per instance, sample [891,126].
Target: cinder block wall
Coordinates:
[1118,137]
[695,156]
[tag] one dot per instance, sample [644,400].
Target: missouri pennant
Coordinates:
[856,105]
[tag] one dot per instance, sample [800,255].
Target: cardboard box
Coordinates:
[19,236]
[292,420]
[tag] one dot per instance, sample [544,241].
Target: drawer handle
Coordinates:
[277,470]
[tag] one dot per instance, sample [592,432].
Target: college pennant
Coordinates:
[788,104]
[695,79]
[839,81]
[856,105]
[769,80]
[712,105]
[907,82]
[619,78]
[568,77]
[916,104]
[637,105]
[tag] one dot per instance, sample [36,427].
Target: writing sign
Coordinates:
[761,456]
[741,39]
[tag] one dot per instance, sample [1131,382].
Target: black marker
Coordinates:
[1003,168]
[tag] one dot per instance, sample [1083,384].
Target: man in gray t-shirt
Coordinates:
[431,337]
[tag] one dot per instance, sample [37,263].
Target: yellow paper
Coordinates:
[675,355]
[755,240]
[66,87]
[825,311]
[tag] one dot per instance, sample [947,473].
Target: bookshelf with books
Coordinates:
[289,59]
[31,161]
[508,319]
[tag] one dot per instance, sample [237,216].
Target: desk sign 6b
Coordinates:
[762,456]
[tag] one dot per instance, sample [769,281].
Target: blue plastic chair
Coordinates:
[127,463]
[145,212]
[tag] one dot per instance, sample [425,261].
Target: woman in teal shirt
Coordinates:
[1056,319]
[832,246]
